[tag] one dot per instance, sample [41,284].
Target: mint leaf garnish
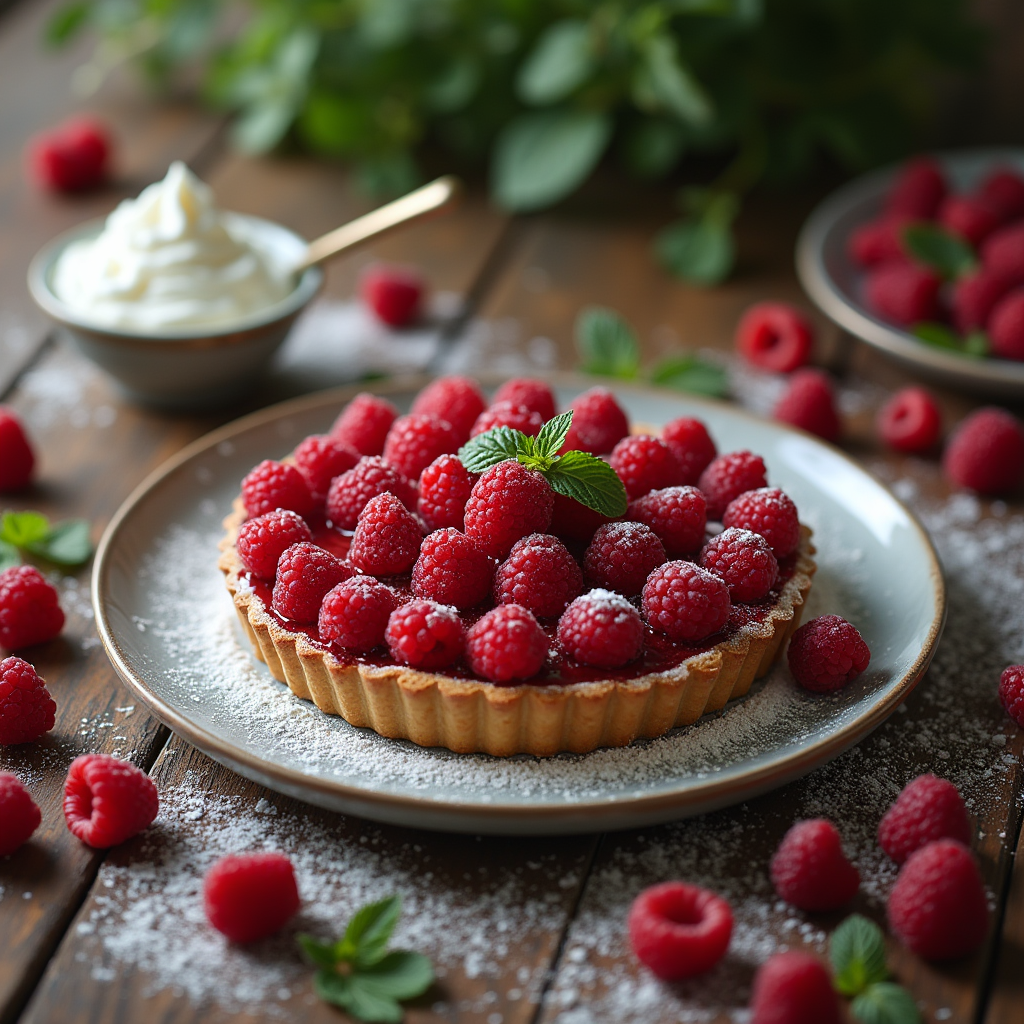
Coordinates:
[490,448]
[590,481]
[606,343]
[9,556]
[23,528]
[553,434]
[690,373]
[946,254]
[885,1003]
[857,951]
[976,343]
[65,544]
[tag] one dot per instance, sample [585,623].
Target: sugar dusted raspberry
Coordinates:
[677,515]
[601,628]
[927,809]
[29,609]
[107,800]
[691,444]
[540,574]
[274,485]
[508,502]
[938,907]
[769,512]
[1002,253]
[1003,190]
[350,492]
[685,602]
[250,896]
[425,634]
[395,294]
[744,561]
[73,157]
[910,421]
[810,870]
[809,403]
[364,423]
[534,394]
[506,644]
[445,486]
[775,336]
[320,458]
[826,653]
[679,930]
[598,423]
[918,189]
[727,477]
[794,988]
[974,296]
[969,217]
[452,569]
[903,293]
[621,557]
[27,711]
[1006,326]
[507,414]
[878,241]
[575,522]
[645,464]
[19,814]
[414,441]
[17,459]
[458,400]
[262,541]
[305,573]
[986,453]
[1011,692]
[355,613]
[387,538]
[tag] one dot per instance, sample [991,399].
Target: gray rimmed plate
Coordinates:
[835,283]
[169,628]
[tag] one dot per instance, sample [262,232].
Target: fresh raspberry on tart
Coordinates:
[320,458]
[540,574]
[534,394]
[506,644]
[508,502]
[452,569]
[601,628]
[364,424]
[685,602]
[355,613]
[769,512]
[677,515]
[508,414]
[305,572]
[692,446]
[350,492]
[598,423]
[425,634]
[414,441]
[727,477]
[458,400]
[621,557]
[645,464]
[445,486]
[263,540]
[387,537]
[272,485]
[744,561]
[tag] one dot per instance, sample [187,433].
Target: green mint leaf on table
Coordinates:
[590,481]
[561,60]
[690,373]
[857,951]
[368,933]
[66,544]
[946,254]
[885,1003]
[9,557]
[346,992]
[699,248]
[23,528]
[606,343]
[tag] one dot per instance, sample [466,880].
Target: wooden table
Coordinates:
[523,929]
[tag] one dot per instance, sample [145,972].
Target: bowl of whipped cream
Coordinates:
[181,302]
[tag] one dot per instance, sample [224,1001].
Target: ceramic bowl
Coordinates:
[185,367]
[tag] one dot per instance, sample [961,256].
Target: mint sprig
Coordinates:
[975,344]
[945,253]
[885,1003]
[358,974]
[65,544]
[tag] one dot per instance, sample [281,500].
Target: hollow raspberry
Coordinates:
[601,628]
[974,297]
[107,800]
[794,988]
[679,930]
[744,561]
[621,557]
[320,458]
[395,294]
[30,612]
[540,574]
[452,569]
[262,541]
[355,613]
[938,907]
[677,515]
[903,293]
[598,423]
[986,453]
[458,400]
[1003,190]
[250,896]
[387,538]
[19,814]
[692,446]
[727,477]
[1006,326]
[917,190]
[17,459]
[350,492]
[273,485]
[73,157]
[927,809]
[769,512]
[910,421]
[575,522]
[1011,692]
[508,502]
[685,602]
[445,486]
[534,394]
[414,441]
[506,414]
[425,634]
[506,644]
[969,217]
[809,403]
[364,424]
[27,711]
[879,241]
[775,336]
[1002,253]
[645,464]
[826,653]
[305,573]
[810,870]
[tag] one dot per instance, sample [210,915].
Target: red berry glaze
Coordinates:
[727,477]
[414,441]
[508,414]
[272,485]
[1006,326]
[17,459]
[1002,253]
[810,870]
[395,294]
[305,573]
[969,217]
[598,423]
[350,492]
[425,635]
[527,391]
[250,896]
[1003,190]
[775,336]
[445,486]
[903,293]
[540,574]
[320,458]
[387,538]
[1011,692]
[744,561]
[929,808]
[974,296]
[826,653]
[506,645]
[685,602]
[986,453]
[918,189]
[262,541]
[910,421]
[692,446]
[458,400]
[19,814]
[794,988]
[364,424]
[452,569]
[27,711]
[601,628]
[677,515]
[645,464]
[355,614]
[72,157]
[810,403]
[29,609]
[769,512]
[508,502]
[107,800]
[621,557]
[878,241]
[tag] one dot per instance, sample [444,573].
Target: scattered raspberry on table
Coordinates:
[17,460]
[910,421]
[927,809]
[19,814]
[395,294]
[30,611]
[826,653]
[775,336]
[27,711]
[250,896]
[73,157]
[107,800]
[1011,692]
[986,453]
[809,402]
[810,869]
[794,988]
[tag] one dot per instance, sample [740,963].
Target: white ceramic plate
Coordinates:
[835,283]
[169,627]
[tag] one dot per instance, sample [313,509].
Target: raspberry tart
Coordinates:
[519,595]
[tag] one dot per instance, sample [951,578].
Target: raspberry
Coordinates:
[16,457]
[677,515]
[878,241]
[727,477]
[903,293]
[917,191]
[27,711]
[305,573]
[445,486]
[414,441]
[621,557]
[350,492]
[506,644]
[769,512]
[72,157]
[458,400]
[107,800]
[425,634]
[395,294]
[744,560]
[29,609]
[826,653]
[19,814]
[685,602]
[507,414]
[508,502]
[387,538]
[364,424]
[910,421]
[937,907]
[540,574]
[598,423]
[320,459]
[809,403]
[973,299]
[355,613]
[645,464]
[929,808]
[1011,692]
[775,336]
[810,870]
[601,628]
[692,446]
[794,988]
[575,522]
[534,394]
[273,485]
[451,569]
[986,452]
[969,217]
[250,896]
[1003,190]
[262,541]
[1002,253]
[679,930]
[1006,326]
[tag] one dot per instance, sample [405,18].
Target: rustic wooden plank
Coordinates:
[1007,995]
